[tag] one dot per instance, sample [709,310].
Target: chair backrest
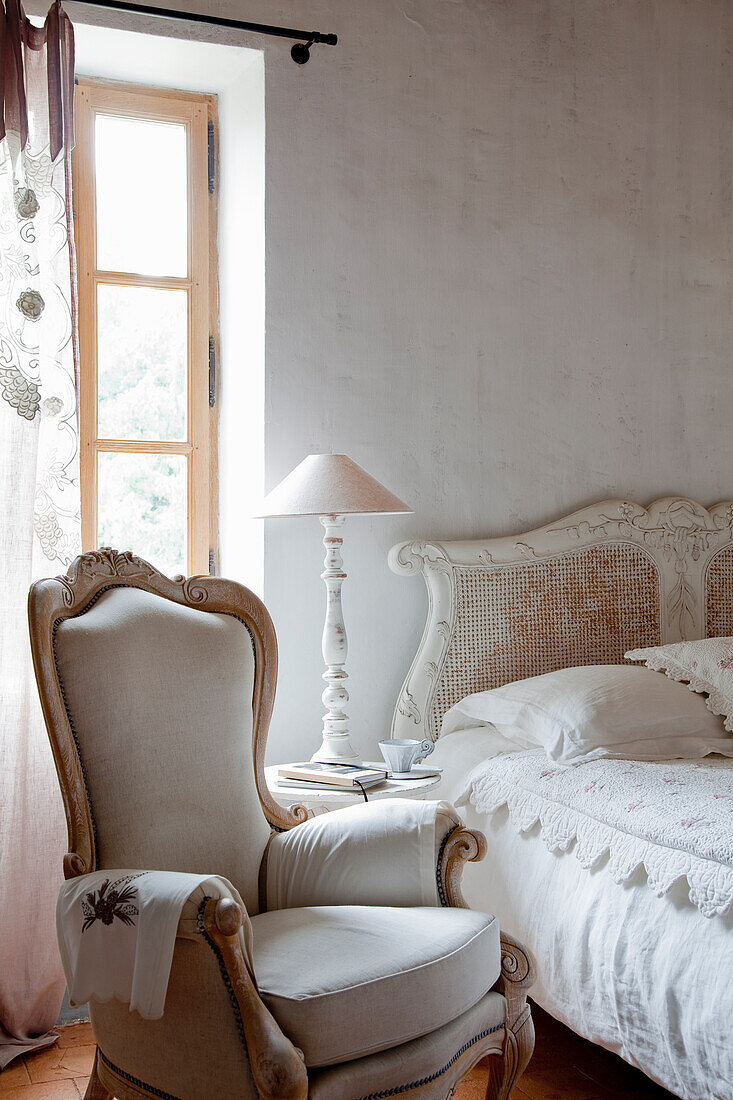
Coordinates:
[157,695]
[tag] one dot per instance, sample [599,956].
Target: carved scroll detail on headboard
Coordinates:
[580,590]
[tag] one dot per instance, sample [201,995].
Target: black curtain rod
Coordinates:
[300,52]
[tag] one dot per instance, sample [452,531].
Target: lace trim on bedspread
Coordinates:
[674,818]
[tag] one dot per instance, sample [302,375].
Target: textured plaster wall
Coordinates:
[498,275]
[498,243]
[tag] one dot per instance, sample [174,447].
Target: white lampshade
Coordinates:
[330,485]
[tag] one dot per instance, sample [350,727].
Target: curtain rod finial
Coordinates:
[301,53]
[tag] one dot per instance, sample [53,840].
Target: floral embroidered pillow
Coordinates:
[706,665]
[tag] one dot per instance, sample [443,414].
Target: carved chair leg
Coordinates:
[95,1088]
[517,966]
[517,976]
[495,1084]
[518,1048]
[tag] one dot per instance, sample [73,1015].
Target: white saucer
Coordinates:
[418,772]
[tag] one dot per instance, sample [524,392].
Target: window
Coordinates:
[145,236]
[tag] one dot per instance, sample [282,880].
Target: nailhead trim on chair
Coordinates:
[136,1080]
[438,1073]
[235,1007]
[395,1091]
[107,588]
[438,877]
[223,971]
[66,705]
[372,1095]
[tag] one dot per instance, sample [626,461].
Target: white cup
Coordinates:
[401,753]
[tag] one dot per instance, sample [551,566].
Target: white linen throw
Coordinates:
[117,931]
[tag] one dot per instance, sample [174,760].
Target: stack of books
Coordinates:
[316,773]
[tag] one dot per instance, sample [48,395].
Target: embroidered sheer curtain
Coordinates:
[39,493]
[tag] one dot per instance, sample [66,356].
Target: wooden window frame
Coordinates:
[198,114]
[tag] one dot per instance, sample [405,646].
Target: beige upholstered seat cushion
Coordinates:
[427,1066]
[160,698]
[347,981]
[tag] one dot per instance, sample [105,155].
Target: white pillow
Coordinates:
[460,753]
[584,713]
[706,665]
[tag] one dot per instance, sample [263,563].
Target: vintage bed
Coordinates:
[625,956]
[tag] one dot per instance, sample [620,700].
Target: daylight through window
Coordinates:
[144,230]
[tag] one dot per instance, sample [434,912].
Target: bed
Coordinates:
[634,946]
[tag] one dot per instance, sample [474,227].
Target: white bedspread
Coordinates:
[645,976]
[674,818]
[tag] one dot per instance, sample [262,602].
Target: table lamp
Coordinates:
[332,487]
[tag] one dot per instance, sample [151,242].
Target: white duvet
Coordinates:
[647,976]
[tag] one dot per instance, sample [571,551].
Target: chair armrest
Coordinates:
[458,847]
[518,971]
[278,1067]
[518,974]
[397,852]
[221,922]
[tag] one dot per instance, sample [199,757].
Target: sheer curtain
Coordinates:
[39,493]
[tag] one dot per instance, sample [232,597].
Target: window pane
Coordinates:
[142,348]
[142,507]
[142,201]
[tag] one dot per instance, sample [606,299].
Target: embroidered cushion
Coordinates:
[706,666]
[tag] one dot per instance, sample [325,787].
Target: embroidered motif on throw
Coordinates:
[112,900]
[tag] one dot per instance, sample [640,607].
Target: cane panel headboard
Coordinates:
[581,590]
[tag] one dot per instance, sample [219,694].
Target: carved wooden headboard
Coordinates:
[579,591]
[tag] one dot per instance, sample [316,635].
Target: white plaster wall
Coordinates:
[498,257]
[498,243]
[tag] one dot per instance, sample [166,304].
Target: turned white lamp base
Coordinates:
[336,745]
[335,750]
[332,487]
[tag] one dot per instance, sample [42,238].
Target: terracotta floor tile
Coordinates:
[618,1076]
[564,1067]
[79,1059]
[638,1087]
[562,1084]
[42,1066]
[473,1088]
[13,1075]
[46,1090]
[61,1063]
[75,1035]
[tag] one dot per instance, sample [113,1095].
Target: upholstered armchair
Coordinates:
[370,977]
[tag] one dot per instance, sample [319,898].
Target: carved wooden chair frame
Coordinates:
[277,1066]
